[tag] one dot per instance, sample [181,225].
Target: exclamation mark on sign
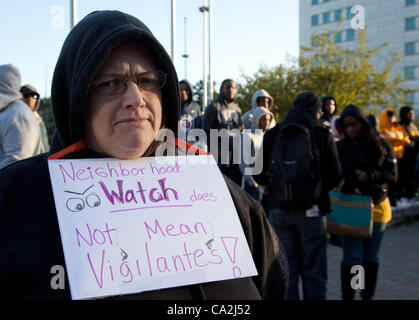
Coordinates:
[230,244]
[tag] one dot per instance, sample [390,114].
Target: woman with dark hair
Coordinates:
[368,165]
[406,187]
[329,109]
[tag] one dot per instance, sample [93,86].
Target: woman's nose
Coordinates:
[133,96]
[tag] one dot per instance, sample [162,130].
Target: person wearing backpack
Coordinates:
[300,166]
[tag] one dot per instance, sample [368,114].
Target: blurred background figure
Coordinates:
[261,98]
[393,133]
[329,109]
[406,185]
[32,98]
[368,165]
[20,136]
[262,119]
[187,105]
[336,127]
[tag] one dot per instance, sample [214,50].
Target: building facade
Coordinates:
[392,21]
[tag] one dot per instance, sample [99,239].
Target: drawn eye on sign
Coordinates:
[77,204]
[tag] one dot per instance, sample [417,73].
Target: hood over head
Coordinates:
[188,84]
[384,123]
[355,111]
[84,52]
[28,89]
[9,85]
[261,93]
[258,113]
[306,105]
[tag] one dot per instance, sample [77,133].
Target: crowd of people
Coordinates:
[355,153]
[304,156]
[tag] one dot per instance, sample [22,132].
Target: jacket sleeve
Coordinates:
[267,251]
[330,168]
[265,157]
[387,173]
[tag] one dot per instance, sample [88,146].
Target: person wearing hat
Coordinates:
[300,226]
[32,98]
[19,132]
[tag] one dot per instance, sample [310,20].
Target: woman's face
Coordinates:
[265,121]
[352,127]
[124,125]
[330,106]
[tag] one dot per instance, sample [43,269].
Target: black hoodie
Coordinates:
[304,110]
[30,242]
[365,156]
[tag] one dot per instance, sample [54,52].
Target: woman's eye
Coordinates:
[114,83]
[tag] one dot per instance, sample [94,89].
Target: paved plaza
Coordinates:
[398,275]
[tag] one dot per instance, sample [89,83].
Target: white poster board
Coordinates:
[139,225]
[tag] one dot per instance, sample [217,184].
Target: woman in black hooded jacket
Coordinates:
[82,96]
[368,164]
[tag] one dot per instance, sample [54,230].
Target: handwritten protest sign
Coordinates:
[139,225]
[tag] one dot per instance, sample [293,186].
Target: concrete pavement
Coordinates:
[398,275]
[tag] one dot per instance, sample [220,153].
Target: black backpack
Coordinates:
[294,178]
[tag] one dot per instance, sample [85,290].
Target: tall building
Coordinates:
[392,21]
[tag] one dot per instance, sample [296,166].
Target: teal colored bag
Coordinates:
[351,215]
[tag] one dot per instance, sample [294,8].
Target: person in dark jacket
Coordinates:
[86,101]
[225,115]
[329,109]
[302,231]
[188,106]
[368,164]
[407,164]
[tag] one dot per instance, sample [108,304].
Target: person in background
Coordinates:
[33,99]
[261,120]
[368,164]
[399,139]
[224,113]
[114,87]
[406,187]
[300,224]
[261,98]
[187,105]
[336,127]
[20,135]
[329,109]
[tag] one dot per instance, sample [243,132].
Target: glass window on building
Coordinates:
[411,23]
[409,73]
[326,1]
[349,14]
[350,35]
[313,2]
[314,20]
[338,38]
[410,98]
[409,48]
[326,17]
[338,14]
[410,2]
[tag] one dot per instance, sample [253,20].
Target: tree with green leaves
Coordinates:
[328,68]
